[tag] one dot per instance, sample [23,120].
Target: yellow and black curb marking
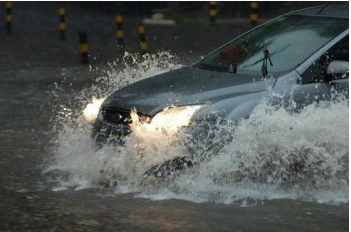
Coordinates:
[143,43]
[119,30]
[62,23]
[254,13]
[9,17]
[83,47]
[213,11]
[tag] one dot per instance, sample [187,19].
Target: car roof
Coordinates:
[332,9]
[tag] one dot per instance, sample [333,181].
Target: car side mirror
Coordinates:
[338,68]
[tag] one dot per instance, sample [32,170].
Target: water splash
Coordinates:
[279,154]
[274,154]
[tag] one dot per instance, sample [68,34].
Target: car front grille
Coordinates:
[116,123]
[116,116]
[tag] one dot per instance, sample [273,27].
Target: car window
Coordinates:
[317,71]
[289,39]
[340,51]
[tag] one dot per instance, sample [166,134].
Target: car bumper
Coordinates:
[108,134]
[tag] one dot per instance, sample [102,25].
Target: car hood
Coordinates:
[185,86]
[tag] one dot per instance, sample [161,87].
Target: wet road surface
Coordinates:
[29,204]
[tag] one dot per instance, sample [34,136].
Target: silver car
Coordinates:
[302,55]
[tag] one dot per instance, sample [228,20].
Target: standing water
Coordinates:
[290,175]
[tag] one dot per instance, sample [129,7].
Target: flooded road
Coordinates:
[52,177]
[35,200]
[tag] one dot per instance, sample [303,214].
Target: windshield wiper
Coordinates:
[266,58]
[320,11]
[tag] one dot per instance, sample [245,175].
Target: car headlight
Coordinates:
[174,117]
[91,111]
[169,119]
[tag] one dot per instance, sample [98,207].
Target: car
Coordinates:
[302,55]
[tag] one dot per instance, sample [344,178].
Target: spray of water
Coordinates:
[272,155]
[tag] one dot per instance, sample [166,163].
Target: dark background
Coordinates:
[35,41]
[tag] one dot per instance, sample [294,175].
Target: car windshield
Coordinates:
[290,40]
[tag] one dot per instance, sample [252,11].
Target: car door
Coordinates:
[317,85]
